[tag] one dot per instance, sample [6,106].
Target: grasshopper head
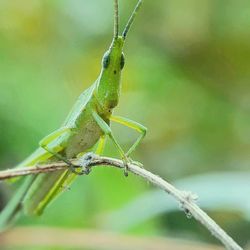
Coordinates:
[112,64]
[108,88]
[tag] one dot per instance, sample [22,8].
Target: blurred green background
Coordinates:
[186,78]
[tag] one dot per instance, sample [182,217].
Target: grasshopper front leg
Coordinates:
[107,130]
[133,125]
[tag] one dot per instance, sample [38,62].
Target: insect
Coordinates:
[87,124]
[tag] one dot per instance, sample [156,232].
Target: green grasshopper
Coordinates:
[87,124]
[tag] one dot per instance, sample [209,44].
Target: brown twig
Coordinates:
[186,199]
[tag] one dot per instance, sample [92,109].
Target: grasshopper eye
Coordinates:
[106,60]
[122,63]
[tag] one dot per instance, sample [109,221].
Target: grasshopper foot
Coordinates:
[73,168]
[85,161]
[86,170]
[126,160]
[83,165]
[137,163]
[125,170]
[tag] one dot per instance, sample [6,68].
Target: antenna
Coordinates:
[131,19]
[116,19]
